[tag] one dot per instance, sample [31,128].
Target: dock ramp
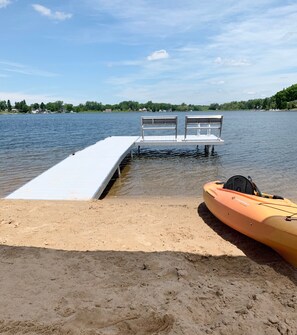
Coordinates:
[81,176]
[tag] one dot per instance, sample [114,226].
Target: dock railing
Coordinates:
[206,125]
[158,123]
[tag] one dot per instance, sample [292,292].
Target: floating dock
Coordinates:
[85,174]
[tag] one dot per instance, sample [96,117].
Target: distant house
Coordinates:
[107,110]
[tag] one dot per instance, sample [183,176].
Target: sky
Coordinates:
[173,51]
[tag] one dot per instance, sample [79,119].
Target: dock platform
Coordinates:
[85,174]
[179,140]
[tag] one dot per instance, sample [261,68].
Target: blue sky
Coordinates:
[175,51]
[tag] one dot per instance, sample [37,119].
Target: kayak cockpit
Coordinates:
[245,185]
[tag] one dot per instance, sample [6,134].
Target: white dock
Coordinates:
[82,176]
[85,174]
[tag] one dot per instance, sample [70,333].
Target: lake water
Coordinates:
[260,144]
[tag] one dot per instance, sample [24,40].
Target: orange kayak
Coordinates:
[269,219]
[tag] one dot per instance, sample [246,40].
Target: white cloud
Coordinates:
[250,92]
[125,63]
[217,82]
[30,98]
[60,16]
[4,3]
[6,66]
[156,55]
[232,62]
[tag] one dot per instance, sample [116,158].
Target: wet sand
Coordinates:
[137,266]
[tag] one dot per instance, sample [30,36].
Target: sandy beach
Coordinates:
[137,266]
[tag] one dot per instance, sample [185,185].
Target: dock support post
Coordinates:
[138,149]
[206,149]
[212,149]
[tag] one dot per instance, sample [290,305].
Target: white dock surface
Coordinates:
[179,140]
[85,174]
[82,176]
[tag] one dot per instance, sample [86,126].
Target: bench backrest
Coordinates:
[146,120]
[206,122]
[204,119]
[158,122]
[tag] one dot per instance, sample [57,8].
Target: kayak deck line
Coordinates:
[289,211]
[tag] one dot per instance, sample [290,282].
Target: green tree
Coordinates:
[9,108]
[150,106]
[68,107]
[79,108]
[22,107]
[281,100]
[35,106]
[129,106]
[93,106]
[291,93]
[214,106]
[3,105]
[182,107]
[59,106]
[56,106]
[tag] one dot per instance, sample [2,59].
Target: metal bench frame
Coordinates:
[158,123]
[203,122]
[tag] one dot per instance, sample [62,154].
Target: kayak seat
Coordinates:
[240,184]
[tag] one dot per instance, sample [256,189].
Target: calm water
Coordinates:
[260,144]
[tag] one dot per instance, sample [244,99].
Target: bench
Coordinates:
[158,123]
[204,124]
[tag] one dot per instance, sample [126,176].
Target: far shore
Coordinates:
[125,111]
[137,266]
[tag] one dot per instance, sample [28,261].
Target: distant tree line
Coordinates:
[93,106]
[285,99]
[136,106]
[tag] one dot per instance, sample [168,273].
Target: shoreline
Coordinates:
[137,266]
[147,224]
